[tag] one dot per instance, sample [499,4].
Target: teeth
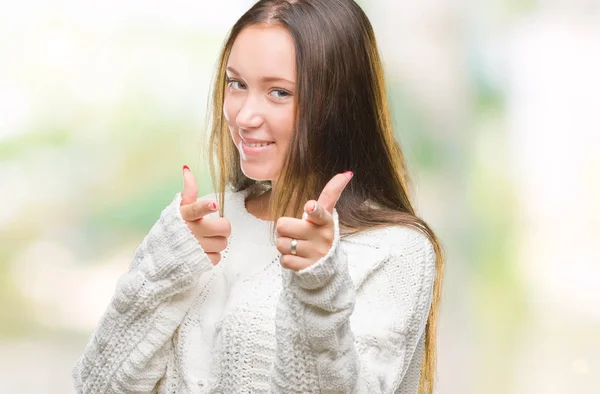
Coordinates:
[258,145]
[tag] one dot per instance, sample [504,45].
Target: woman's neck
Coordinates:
[258,206]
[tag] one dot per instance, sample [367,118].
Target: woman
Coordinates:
[310,271]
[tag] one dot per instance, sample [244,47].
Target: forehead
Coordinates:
[261,50]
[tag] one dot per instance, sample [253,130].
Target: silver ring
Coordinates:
[294,244]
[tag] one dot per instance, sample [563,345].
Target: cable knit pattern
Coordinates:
[127,351]
[353,322]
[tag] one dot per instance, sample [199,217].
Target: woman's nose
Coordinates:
[250,115]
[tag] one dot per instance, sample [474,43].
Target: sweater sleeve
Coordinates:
[130,347]
[323,348]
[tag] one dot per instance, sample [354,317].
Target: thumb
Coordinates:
[333,190]
[190,187]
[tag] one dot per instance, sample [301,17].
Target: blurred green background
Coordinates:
[495,105]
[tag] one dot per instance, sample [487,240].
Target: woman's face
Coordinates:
[259,102]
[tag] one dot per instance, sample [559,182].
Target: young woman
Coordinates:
[309,271]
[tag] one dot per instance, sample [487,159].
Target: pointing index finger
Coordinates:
[197,210]
[333,190]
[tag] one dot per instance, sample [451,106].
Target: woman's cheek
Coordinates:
[284,127]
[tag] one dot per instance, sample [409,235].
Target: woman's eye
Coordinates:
[282,93]
[232,82]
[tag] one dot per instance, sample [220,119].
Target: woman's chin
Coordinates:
[257,174]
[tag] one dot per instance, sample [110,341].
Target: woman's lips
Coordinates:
[254,150]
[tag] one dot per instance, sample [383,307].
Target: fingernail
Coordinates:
[212,206]
[349,174]
[186,168]
[313,207]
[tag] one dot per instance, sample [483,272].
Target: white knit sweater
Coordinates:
[353,322]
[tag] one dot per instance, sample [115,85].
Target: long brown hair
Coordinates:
[342,122]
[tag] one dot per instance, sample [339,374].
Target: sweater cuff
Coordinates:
[324,269]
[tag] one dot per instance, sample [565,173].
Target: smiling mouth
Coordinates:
[257,144]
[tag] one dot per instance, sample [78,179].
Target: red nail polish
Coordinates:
[212,206]
[186,168]
[313,207]
[349,174]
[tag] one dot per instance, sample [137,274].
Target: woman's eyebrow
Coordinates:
[264,79]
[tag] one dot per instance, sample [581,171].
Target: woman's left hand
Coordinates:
[314,235]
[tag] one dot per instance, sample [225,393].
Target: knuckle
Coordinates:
[194,210]
[201,227]
[194,228]
[280,244]
[227,227]
[205,245]
[222,243]
[285,260]
[205,227]
[279,225]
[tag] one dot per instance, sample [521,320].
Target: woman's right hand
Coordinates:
[212,234]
